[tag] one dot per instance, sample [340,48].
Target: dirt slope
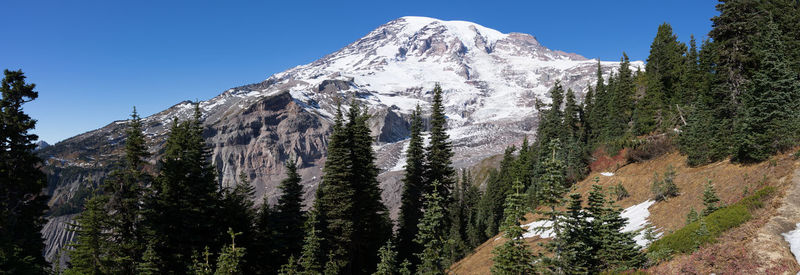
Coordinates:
[748,243]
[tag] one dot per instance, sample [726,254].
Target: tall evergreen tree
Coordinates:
[237,211]
[431,233]
[311,255]
[125,189]
[266,259]
[89,252]
[767,121]
[22,204]
[514,256]
[185,200]
[289,214]
[355,222]
[439,166]
[413,188]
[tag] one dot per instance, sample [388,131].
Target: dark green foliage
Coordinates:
[311,255]
[664,188]
[289,214]
[431,233]
[237,211]
[354,221]
[229,260]
[514,256]
[767,120]
[388,263]
[665,72]
[266,259]
[498,187]
[22,204]
[89,252]
[692,216]
[183,206]
[413,188]
[710,199]
[693,235]
[438,154]
[148,265]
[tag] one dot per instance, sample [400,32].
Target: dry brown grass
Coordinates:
[734,250]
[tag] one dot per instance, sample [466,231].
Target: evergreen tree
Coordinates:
[431,233]
[388,263]
[692,216]
[664,75]
[238,213]
[498,187]
[311,255]
[149,263]
[23,204]
[618,250]
[354,221]
[710,199]
[289,214]
[185,201]
[125,190]
[767,121]
[514,256]
[90,250]
[413,188]
[229,260]
[439,151]
[266,259]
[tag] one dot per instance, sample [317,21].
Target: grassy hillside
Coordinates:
[733,182]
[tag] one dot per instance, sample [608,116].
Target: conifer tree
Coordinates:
[311,255]
[618,250]
[89,252]
[289,214]
[514,256]
[125,190]
[229,260]
[692,216]
[768,122]
[388,263]
[237,211]
[710,199]
[438,154]
[431,233]
[266,259]
[185,200]
[149,263]
[413,188]
[23,204]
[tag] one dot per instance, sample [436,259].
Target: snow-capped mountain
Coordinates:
[491,81]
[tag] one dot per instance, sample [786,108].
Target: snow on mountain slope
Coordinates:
[491,81]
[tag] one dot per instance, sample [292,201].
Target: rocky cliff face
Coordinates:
[491,81]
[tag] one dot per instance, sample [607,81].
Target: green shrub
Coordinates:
[663,189]
[693,235]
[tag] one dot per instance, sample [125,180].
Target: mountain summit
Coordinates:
[491,82]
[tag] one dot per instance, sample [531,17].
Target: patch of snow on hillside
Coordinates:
[637,220]
[607,174]
[538,228]
[793,238]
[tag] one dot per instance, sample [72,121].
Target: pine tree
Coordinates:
[431,233]
[664,75]
[311,255]
[439,166]
[125,190]
[149,262]
[290,268]
[413,188]
[710,199]
[354,221]
[237,211]
[692,216]
[498,187]
[388,263]
[23,204]
[289,215]
[618,250]
[229,260]
[266,259]
[767,122]
[514,256]
[90,250]
[182,212]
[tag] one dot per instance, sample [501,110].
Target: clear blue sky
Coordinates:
[93,60]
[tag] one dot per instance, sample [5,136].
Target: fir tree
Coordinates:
[388,263]
[618,250]
[125,190]
[90,250]
[238,213]
[431,233]
[229,261]
[289,215]
[710,199]
[149,262]
[767,122]
[267,259]
[439,151]
[692,216]
[311,255]
[413,188]
[23,204]
[514,256]
[185,200]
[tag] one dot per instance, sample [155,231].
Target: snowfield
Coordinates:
[793,238]
[637,221]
